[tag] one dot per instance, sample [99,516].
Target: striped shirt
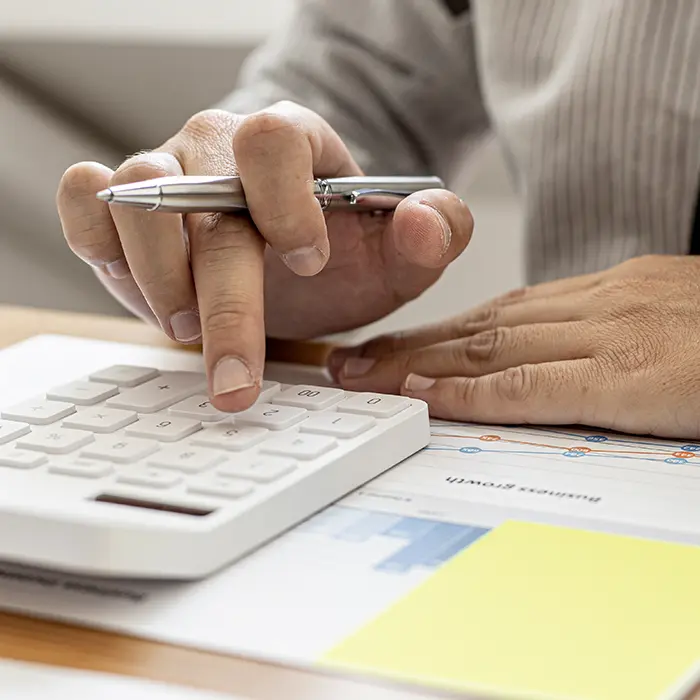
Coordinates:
[596,104]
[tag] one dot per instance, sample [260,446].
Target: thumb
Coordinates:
[431,228]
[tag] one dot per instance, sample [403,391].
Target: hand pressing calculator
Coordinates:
[126,470]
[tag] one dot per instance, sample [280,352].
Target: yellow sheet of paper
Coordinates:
[543,612]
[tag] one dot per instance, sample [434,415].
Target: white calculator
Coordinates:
[114,463]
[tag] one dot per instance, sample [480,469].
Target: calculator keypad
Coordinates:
[156,433]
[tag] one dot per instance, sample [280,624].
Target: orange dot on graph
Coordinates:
[490,438]
[684,455]
[579,449]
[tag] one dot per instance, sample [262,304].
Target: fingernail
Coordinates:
[306,261]
[445,231]
[357,366]
[231,374]
[117,269]
[186,326]
[414,382]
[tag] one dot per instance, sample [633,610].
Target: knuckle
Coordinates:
[224,316]
[477,321]
[208,122]
[138,168]
[515,384]
[484,347]
[255,130]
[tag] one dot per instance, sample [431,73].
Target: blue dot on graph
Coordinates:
[676,460]
[691,448]
[574,453]
[470,450]
[596,438]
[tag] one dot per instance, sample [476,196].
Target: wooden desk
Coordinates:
[62,645]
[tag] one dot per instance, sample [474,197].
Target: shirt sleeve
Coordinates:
[397,79]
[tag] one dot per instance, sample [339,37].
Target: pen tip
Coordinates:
[105,195]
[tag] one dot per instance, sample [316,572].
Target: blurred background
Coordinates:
[86,80]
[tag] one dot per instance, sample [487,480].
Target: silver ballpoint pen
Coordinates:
[193,193]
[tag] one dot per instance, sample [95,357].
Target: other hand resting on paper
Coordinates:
[286,270]
[618,349]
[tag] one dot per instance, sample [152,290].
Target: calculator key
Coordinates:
[39,412]
[9,430]
[197,407]
[149,477]
[100,420]
[124,375]
[21,459]
[185,458]
[230,437]
[120,449]
[376,405]
[265,415]
[80,467]
[313,398]
[159,393]
[299,446]
[163,428]
[342,425]
[221,486]
[262,469]
[55,441]
[82,393]
[268,389]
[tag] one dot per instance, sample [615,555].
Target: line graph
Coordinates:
[554,442]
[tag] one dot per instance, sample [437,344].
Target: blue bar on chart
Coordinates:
[451,549]
[423,550]
[410,528]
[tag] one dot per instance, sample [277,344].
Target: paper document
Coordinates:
[525,562]
[37,682]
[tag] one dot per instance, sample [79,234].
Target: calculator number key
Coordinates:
[313,398]
[299,446]
[375,405]
[266,415]
[262,469]
[189,460]
[199,408]
[80,467]
[55,441]
[220,486]
[120,450]
[163,428]
[230,437]
[342,425]
[149,477]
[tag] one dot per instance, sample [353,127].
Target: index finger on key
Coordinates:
[227,264]
[279,152]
